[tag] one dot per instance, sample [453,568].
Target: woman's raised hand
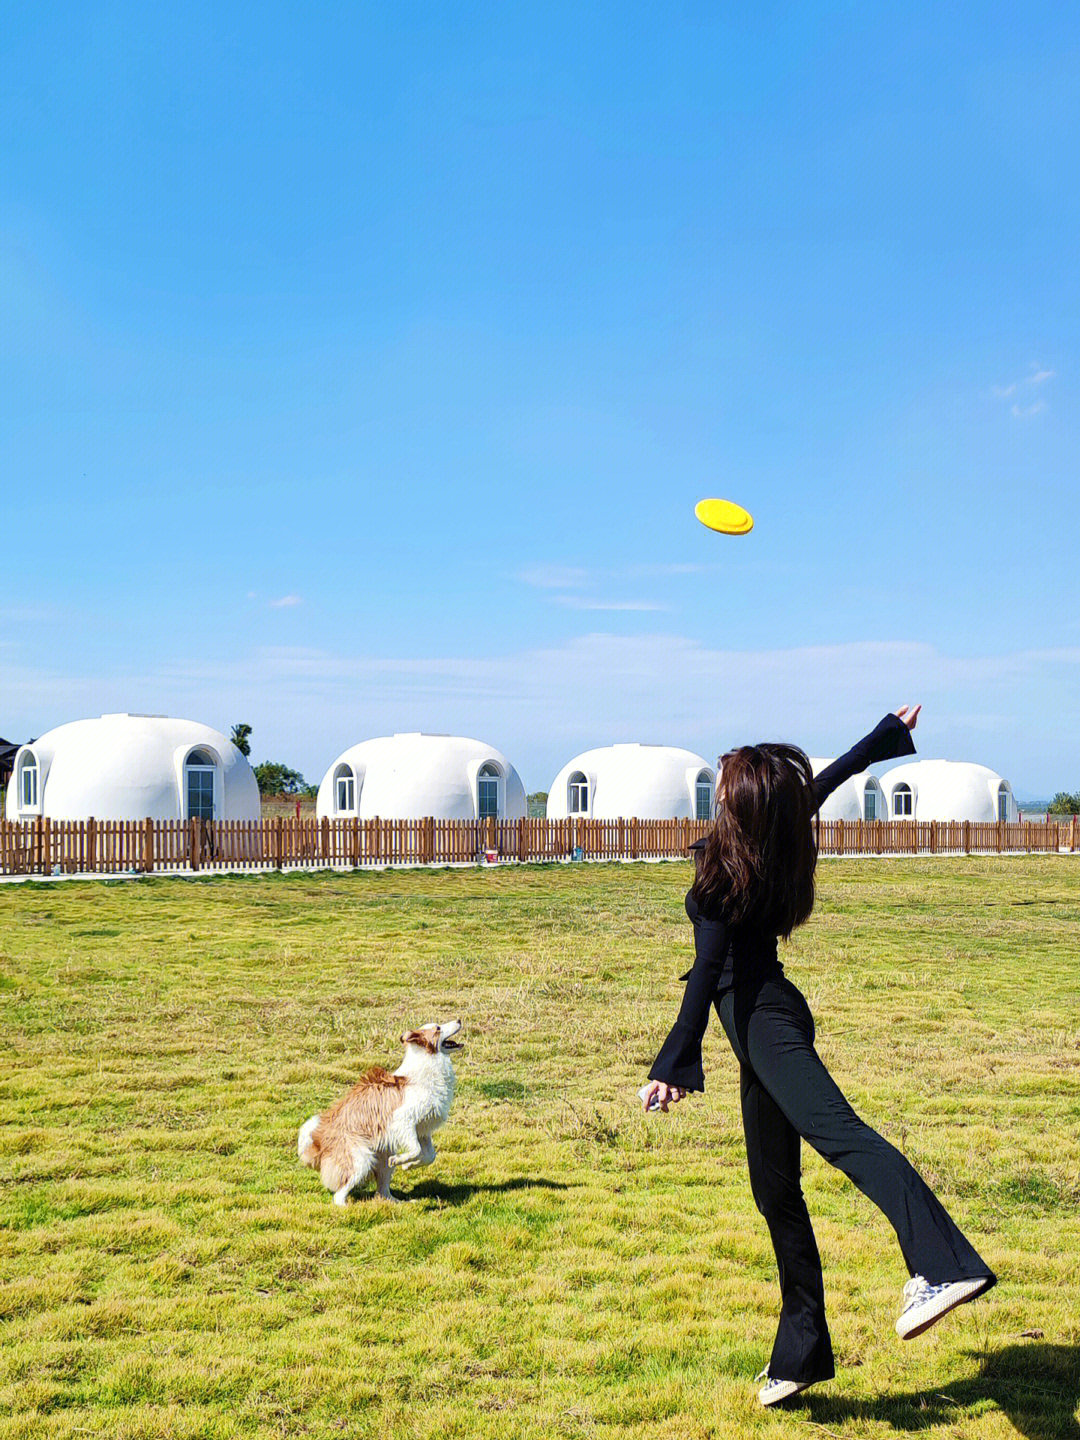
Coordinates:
[909,716]
[658,1096]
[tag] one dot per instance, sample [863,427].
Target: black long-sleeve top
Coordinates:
[727,956]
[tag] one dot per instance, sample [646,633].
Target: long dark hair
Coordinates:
[757,867]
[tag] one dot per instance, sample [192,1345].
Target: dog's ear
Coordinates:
[418,1037]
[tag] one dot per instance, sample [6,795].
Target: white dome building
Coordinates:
[132,767]
[859,798]
[648,782]
[947,790]
[409,777]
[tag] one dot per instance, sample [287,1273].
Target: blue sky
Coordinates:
[360,367]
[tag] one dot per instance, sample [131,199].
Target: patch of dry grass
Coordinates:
[568,1267]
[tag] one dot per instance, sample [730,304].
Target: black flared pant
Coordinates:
[787,1093]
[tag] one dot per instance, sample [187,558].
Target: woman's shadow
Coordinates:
[1036,1385]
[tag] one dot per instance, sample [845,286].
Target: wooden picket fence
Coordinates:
[109,847]
[948,837]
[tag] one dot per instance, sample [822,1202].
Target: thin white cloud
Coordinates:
[583,602]
[1039,376]
[678,568]
[553,577]
[32,614]
[543,705]
[575,588]
[286,602]
[573,577]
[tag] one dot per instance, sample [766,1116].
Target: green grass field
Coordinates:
[568,1267]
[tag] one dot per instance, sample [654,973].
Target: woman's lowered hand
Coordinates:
[909,716]
[658,1096]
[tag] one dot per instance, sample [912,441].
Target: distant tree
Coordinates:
[537,804]
[275,779]
[241,738]
[1064,804]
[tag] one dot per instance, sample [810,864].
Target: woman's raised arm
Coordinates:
[888,740]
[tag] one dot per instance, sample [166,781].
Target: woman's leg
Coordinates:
[775,1031]
[802,1350]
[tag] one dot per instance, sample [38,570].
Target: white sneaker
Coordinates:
[773,1391]
[925,1304]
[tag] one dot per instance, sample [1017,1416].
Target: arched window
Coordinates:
[199,770]
[1003,801]
[703,796]
[577,794]
[870,802]
[344,790]
[903,802]
[487,793]
[28,783]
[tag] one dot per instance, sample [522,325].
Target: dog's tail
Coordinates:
[307,1142]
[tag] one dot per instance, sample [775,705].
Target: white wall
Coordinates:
[130,767]
[848,801]
[948,790]
[411,776]
[651,782]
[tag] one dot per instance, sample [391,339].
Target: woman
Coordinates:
[754,881]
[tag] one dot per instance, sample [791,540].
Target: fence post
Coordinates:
[427,851]
[148,845]
[523,840]
[1074,833]
[967,837]
[324,838]
[279,842]
[42,840]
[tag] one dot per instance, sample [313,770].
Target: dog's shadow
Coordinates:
[1036,1385]
[458,1194]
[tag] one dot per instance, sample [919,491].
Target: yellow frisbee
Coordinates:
[725,516]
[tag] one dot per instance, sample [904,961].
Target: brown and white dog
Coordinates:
[385,1120]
